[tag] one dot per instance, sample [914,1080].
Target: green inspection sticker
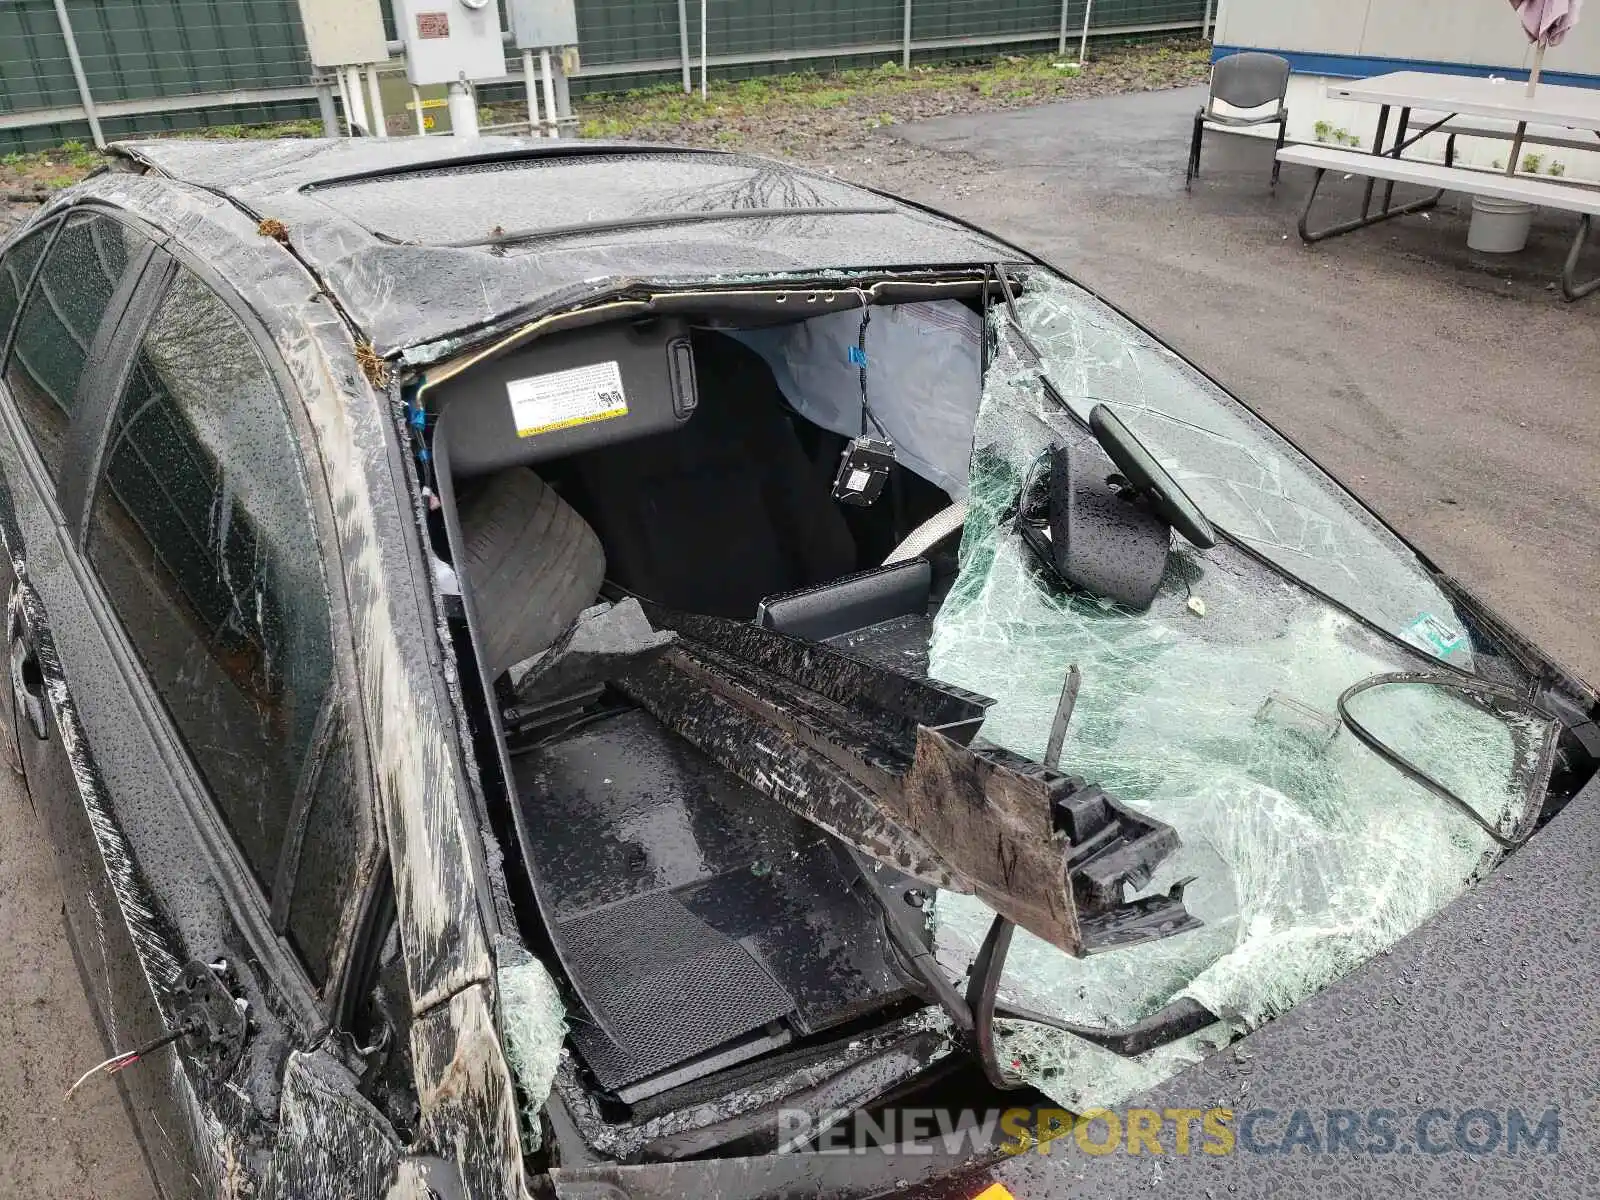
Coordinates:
[1434,634]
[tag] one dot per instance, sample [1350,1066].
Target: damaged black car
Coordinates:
[576,670]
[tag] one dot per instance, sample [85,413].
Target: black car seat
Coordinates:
[531,562]
[715,516]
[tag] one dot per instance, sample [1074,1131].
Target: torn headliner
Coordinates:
[404,295]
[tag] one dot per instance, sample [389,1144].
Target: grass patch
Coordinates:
[47,170]
[50,170]
[306,127]
[1008,77]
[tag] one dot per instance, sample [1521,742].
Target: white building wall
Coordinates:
[1481,33]
[1322,26]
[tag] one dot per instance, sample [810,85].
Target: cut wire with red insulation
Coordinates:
[126,1058]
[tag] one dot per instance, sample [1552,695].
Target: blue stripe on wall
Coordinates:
[1358,66]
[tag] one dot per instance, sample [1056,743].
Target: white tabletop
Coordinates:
[1550,104]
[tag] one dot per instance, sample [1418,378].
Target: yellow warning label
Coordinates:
[564,399]
[570,422]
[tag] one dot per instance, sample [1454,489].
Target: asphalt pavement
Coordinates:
[50,1148]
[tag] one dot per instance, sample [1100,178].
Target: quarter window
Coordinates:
[201,532]
[59,321]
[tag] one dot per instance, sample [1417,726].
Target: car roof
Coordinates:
[426,241]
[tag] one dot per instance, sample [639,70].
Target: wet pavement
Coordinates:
[82,1149]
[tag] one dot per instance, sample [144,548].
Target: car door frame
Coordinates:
[309,1016]
[267,918]
[77,817]
[13,573]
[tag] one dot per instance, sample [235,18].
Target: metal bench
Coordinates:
[1546,193]
[1451,127]
[1452,131]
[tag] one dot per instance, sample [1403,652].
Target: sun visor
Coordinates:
[568,393]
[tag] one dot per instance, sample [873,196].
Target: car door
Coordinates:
[203,682]
[18,263]
[201,536]
[64,288]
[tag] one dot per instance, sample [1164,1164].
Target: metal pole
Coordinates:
[563,118]
[1061,34]
[1522,126]
[380,123]
[463,110]
[416,111]
[905,37]
[344,101]
[683,47]
[326,110]
[1083,42]
[530,84]
[551,128]
[356,114]
[1205,25]
[77,73]
[1516,147]
[704,87]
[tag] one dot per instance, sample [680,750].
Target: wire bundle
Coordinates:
[126,1059]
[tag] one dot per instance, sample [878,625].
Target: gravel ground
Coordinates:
[814,117]
[54,1149]
[13,212]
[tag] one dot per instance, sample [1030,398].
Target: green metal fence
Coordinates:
[148,51]
[151,65]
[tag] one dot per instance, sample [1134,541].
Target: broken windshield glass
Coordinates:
[1404,720]
[1242,475]
[533,1021]
[1216,712]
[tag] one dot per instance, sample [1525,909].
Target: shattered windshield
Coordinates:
[1242,475]
[1216,711]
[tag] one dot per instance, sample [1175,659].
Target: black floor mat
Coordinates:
[689,910]
[663,986]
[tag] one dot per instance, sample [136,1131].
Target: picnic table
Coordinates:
[1455,96]
[1470,95]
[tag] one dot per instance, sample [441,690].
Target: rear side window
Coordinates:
[201,532]
[16,268]
[60,317]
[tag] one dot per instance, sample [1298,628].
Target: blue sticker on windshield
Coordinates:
[858,356]
[1429,632]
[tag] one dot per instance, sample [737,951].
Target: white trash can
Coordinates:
[1499,226]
